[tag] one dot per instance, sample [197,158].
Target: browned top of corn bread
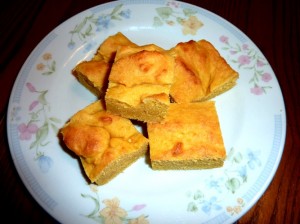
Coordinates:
[139,82]
[189,137]
[108,48]
[201,73]
[93,75]
[105,143]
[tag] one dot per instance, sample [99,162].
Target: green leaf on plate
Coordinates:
[157,21]
[192,207]
[189,12]
[233,184]
[164,12]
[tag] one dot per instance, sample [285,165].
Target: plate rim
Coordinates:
[49,37]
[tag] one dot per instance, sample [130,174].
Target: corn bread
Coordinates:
[108,48]
[105,143]
[93,75]
[139,83]
[188,138]
[200,72]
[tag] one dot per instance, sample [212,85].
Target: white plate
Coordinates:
[45,95]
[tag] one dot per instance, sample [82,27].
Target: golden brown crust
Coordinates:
[102,140]
[188,138]
[139,83]
[108,48]
[93,75]
[142,67]
[200,72]
[124,50]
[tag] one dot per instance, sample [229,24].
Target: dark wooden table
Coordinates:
[273,25]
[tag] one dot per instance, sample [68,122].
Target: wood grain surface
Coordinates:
[273,25]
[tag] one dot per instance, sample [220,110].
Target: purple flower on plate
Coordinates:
[26,131]
[45,163]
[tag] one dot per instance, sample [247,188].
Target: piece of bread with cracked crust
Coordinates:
[105,143]
[108,48]
[201,73]
[188,138]
[139,83]
[93,75]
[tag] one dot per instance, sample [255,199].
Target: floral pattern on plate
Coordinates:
[249,59]
[112,212]
[236,173]
[220,196]
[172,13]
[92,24]
[236,209]
[39,126]
[47,66]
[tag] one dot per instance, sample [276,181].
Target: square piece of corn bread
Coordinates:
[188,138]
[108,48]
[139,83]
[105,143]
[201,73]
[93,75]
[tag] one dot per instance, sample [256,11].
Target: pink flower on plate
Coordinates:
[173,4]
[138,207]
[33,105]
[257,90]
[244,60]
[259,63]
[224,39]
[266,77]
[245,47]
[26,131]
[30,87]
